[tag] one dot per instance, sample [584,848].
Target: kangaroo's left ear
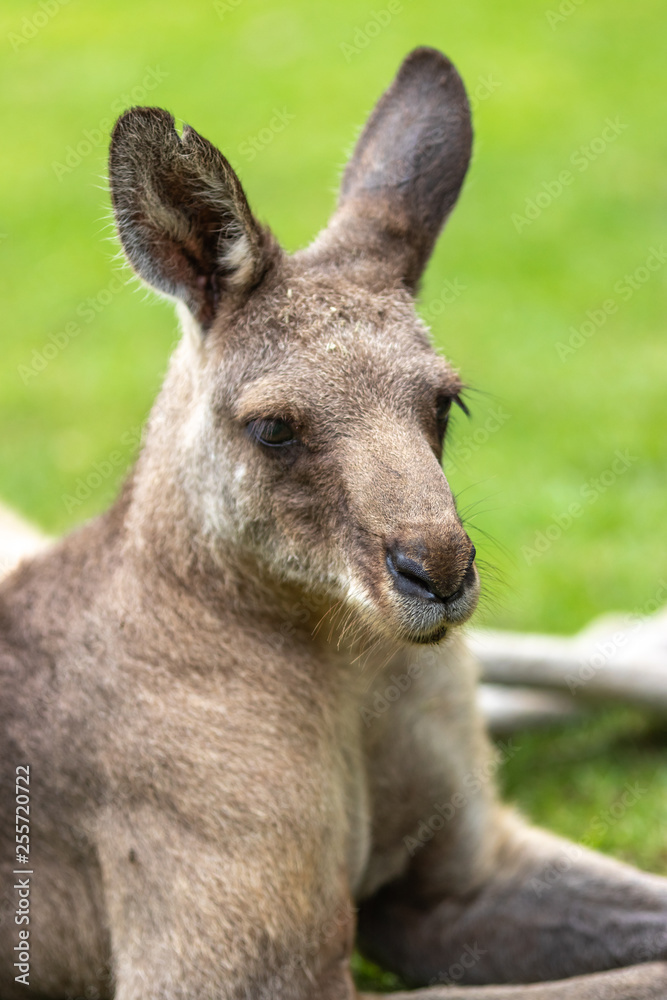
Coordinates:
[404,176]
[182,215]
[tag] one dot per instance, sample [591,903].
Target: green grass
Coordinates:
[542,427]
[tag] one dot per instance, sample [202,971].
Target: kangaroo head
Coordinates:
[299,433]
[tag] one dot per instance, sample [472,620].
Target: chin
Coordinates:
[431,638]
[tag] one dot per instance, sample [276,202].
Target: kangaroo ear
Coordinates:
[405,173]
[182,215]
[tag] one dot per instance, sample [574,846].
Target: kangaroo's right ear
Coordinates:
[182,215]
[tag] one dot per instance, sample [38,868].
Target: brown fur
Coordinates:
[191,675]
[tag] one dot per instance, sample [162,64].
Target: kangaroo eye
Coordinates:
[442,414]
[273,433]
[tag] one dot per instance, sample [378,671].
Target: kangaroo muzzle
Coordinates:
[435,585]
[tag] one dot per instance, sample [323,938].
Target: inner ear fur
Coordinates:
[181,212]
[405,174]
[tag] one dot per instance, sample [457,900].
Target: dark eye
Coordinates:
[273,433]
[442,414]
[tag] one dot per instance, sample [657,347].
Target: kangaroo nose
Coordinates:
[411,578]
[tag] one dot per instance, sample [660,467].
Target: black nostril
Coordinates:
[411,578]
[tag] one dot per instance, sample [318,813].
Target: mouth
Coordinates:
[426,611]
[430,638]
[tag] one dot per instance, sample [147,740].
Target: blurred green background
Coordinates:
[546,290]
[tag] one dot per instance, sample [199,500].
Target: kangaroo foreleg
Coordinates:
[550,909]
[641,982]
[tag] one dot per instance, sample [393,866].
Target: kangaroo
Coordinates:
[216,811]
